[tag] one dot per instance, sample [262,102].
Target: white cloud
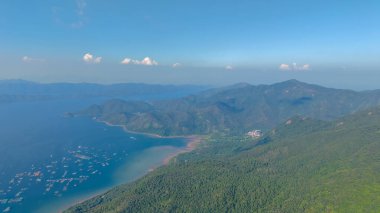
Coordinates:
[284,67]
[97,60]
[305,67]
[89,58]
[28,59]
[229,67]
[126,61]
[175,65]
[146,61]
[294,67]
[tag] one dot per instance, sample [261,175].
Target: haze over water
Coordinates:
[50,162]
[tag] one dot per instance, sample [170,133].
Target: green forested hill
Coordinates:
[303,165]
[235,109]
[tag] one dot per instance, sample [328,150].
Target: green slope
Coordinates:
[305,165]
[236,109]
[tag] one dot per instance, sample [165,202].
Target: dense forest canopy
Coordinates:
[302,165]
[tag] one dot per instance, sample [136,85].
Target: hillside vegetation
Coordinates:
[303,165]
[234,110]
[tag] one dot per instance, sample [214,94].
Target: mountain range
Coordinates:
[235,109]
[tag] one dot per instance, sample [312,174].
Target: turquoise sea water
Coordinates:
[49,162]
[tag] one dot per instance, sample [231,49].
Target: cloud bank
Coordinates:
[147,61]
[294,67]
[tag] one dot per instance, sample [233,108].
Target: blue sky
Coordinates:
[335,43]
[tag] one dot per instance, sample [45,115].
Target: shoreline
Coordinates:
[81,200]
[192,143]
[153,135]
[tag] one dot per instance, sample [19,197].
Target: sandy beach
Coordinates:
[193,141]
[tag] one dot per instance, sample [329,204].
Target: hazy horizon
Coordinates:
[328,43]
[331,85]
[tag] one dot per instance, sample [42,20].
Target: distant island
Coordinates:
[20,90]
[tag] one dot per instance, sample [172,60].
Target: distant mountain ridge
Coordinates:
[235,109]
[20,90]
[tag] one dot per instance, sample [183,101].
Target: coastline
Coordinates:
[145,133]
[77,201]
[192,143]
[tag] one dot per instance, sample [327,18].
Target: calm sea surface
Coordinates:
[48,162]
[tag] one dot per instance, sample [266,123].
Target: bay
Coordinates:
[49,162]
